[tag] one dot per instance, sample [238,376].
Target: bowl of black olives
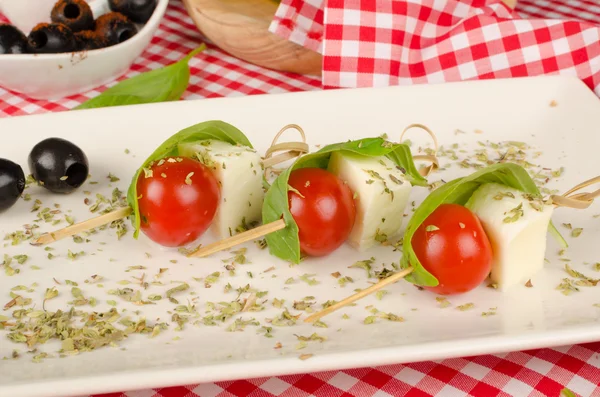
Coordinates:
[58,48]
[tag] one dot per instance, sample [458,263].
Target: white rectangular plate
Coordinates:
[501,110]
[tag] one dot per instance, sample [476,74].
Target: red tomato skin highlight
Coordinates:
[324,210]
[174,213]
[458,253]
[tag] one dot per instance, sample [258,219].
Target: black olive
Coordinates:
[58,165]
[12,40]
[75,14]
[139,11]
[12,183]
[88,40]
[51,38]
[115,28]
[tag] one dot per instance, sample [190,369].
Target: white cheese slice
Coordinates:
[239,172]
[517,227]
[381,193]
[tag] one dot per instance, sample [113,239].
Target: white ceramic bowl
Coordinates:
[53,76]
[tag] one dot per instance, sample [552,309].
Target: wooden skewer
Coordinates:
[248,235]
[83,226]
[359,295]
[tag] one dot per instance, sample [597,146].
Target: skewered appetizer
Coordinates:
[191,182]
[493,223]
[354,191]
[484,223]
[315,232]
[205,176]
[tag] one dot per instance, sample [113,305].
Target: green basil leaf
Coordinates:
[458,191]
[213,130]
[160,85]
[284,243]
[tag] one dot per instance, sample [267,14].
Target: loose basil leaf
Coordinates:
[213,130]
[458,191]
[160,85]
[284,243]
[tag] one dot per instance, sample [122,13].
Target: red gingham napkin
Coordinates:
[392,42]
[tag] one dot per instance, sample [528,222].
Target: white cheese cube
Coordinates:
[239,172]
[517,227]
[381,193]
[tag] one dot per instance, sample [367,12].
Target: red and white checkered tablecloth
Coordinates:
[541,372]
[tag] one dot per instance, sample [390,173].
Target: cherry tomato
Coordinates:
[452,245]
[324,210]
[178,202]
